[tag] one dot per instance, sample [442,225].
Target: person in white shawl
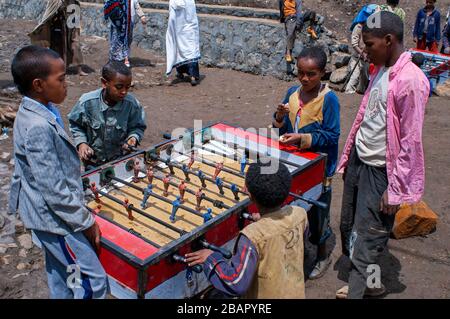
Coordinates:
[183,40]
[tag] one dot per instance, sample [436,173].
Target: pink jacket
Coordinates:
[407,96]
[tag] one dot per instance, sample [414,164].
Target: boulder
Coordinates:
[339,75]
[414,220]
[25,241]
[339,59]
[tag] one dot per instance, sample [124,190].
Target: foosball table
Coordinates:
[184,194]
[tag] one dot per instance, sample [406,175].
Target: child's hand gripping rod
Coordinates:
[197,268]
[225,253]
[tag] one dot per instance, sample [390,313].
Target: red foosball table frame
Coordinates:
[137,269]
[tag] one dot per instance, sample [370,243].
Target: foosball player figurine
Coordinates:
[175,205]
[127,205]
[95,192]
[219,167]
[219,183]
[235,191]
[166,181]
[170,166]
[150,175]
[201,175]
[243,164]
[182,189]
[147,192]
[136,169]
[185,170]
[208,215]
[98,209]
[199,195]
[192,160]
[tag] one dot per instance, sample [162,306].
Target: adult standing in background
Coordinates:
[59,30]
[359,77]
[183,40]
[122,14]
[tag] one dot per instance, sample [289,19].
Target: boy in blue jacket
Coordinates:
[427,29]
[309,118]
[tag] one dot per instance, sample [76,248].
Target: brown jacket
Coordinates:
[278,238]
[52,32]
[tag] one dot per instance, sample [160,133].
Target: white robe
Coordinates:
[182,37]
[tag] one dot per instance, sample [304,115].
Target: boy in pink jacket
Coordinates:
[383,160]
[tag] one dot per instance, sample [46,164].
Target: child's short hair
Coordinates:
[111,68]
[268,190]
[382,23]
[393,2]
[317,54]
[418,59]
[30,63]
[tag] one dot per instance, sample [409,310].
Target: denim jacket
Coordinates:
[105,129]
[434,26]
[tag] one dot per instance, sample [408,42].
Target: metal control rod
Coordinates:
[137,210]
[186,208]
[190,171]
[215,202]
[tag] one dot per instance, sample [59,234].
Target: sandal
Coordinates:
[342,293]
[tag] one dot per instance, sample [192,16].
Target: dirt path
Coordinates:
[413,268]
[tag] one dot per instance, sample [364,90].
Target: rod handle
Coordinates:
[310,201]
[197,268]
[224,252]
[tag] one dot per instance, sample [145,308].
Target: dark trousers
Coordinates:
[364,228]
[319,219]
[290,26]
[192,69]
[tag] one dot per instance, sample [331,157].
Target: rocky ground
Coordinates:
[412,268]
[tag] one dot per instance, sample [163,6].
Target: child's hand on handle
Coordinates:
[93,235]
[130,144]
[198,257]
[85,152]
[144,20]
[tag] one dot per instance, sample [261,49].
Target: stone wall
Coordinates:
[244,44]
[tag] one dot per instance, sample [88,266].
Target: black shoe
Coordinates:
[194,81]
[320,268]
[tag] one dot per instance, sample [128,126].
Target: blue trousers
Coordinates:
[73,268]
